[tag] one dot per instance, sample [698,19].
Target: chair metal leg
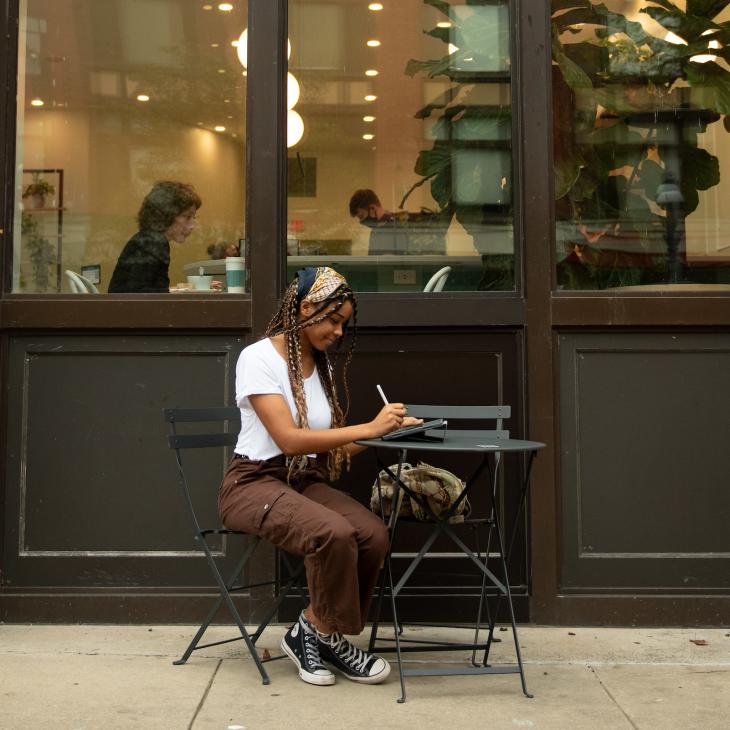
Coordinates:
[378,608]
[225,597]
[396,633]
[219,601]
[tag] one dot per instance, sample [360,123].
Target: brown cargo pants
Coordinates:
[342,542]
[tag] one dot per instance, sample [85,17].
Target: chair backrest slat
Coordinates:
[202,440]
[198,415]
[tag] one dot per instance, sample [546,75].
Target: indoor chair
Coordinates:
[79,284]
[438,280]
[217,436]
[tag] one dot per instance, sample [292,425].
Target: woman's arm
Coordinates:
[274,413]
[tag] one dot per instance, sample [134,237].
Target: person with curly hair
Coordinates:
[294,442]
[167,214]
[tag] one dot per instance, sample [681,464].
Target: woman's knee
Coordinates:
[340,534]
[378,539]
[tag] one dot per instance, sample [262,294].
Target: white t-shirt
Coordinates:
[262,370]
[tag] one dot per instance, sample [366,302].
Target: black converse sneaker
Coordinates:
[301,646]
[354,663]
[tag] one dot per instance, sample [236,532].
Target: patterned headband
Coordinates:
[319,284]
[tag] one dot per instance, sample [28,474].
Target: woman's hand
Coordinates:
[391,417]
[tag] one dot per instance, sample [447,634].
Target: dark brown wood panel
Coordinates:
[644,462]
[93,498]
[633,310]
[113,313]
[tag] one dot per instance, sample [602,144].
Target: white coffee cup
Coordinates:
[235,274]
[200,282]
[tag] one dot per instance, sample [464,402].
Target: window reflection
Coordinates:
[640,98]
[115,96]
[404,164]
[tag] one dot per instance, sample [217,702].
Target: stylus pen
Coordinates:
[382,395]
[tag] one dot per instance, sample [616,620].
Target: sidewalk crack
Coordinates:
[613,699]
[205,695]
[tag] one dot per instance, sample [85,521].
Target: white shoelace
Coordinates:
[311,650]
[348,653]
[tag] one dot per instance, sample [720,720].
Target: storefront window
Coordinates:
[399,134]
[114,97]
[641,98]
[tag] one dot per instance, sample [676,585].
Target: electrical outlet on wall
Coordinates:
[404,276]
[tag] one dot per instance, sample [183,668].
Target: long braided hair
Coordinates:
[324,287]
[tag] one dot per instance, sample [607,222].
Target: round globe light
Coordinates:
[242,48]
[292,91]
[294,128]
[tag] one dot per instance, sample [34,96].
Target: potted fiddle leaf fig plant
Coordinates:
[37,191]
[629,108]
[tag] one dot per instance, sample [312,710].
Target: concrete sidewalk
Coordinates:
[122,677]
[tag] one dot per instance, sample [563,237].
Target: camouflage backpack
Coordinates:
[439,487]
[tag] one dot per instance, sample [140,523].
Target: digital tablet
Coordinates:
[411,431]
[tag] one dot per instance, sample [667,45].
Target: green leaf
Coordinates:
[439,102]
[444,7]
[567,165]
[711,86]
[699,167]
[666,4]
[558,5]
[573,74]
[706,8]
[432,68]
[687,27]
[442,34]
[431,162]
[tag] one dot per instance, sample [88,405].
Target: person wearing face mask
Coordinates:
[400,232]
[367,208]
[167,214]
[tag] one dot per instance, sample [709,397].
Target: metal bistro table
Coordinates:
[490,445]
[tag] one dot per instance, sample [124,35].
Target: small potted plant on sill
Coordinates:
[37,192]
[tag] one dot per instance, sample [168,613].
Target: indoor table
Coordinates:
[489,446]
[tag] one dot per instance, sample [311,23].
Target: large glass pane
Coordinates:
[115,96]
[641,98]
[400,128]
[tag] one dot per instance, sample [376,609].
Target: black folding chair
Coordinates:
[220,437]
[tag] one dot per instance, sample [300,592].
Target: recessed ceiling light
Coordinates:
[142,97]
[225,7]
[207,7]
[373,43]
[226,101]
[37,102]
[375,6]
[368,119]
[370,97]
[368,136]
[221,70]
[219,128]
[214,45]
[235,43]
[443,24]
[371,72]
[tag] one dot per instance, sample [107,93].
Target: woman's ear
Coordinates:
[306,309]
